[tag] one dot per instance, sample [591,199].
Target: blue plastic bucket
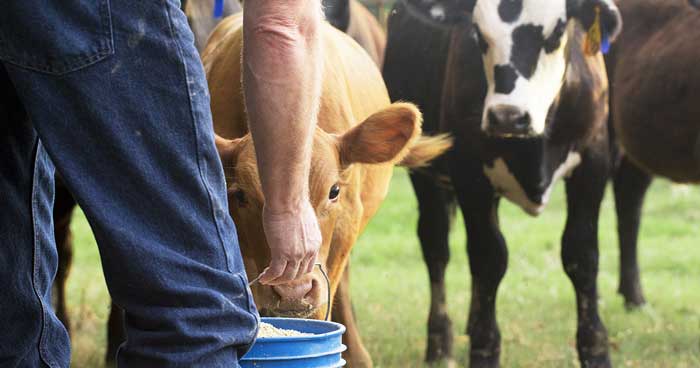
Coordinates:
[323,349]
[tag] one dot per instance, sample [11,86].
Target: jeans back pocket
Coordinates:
[56,36]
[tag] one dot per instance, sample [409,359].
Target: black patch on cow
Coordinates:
[528,40]
[337,13]
[505,78]
[509,10]
[532,162]
[483,45]
[553,42]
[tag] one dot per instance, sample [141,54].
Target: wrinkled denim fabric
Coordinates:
[111,95]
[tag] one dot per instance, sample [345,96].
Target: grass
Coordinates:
[536,306]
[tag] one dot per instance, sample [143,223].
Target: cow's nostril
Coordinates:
[493,119]
[523,122]
[294,291]
[508,120]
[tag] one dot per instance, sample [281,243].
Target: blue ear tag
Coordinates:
[218,8]
[605,44]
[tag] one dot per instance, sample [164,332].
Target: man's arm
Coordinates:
[282,64]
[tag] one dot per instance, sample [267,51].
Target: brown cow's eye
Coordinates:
[334,193]
[240,197]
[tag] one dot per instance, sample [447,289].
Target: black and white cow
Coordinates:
[527,106]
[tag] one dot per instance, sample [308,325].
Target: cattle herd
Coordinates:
[501,97]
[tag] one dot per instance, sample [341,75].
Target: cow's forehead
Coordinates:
[502,16]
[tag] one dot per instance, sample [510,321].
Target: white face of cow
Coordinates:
[523,43]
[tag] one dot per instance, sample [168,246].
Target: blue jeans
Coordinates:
[113,94]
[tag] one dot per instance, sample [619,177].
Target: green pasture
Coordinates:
[536,301]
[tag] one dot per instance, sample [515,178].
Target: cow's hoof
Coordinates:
[484,359]
[357,357]
[593,347]
[445,363]
[439,340]
[634,298]
[359,363]
[602,361]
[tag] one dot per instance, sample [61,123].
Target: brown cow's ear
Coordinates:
[228,150]
[384,137]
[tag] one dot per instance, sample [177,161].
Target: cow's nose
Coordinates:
[506,120]
[294,292]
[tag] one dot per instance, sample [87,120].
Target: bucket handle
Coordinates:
[328,288]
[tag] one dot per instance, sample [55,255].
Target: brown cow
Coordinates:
[655,86]
[359,138]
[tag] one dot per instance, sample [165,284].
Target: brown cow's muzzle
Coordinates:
[305,298]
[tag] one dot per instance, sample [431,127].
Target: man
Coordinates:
[112,93]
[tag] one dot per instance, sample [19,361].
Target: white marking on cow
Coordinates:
[508,186]
[437,12]
[536,95]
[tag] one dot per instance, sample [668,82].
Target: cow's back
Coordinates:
[655,87]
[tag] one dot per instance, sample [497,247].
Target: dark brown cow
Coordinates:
[655,89]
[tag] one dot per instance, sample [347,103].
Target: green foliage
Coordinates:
[536,300]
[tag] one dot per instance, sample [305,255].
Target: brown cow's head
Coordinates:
[385,137]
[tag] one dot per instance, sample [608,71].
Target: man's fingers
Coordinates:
[311,263]
[288,275]
[273,272]
[303,268]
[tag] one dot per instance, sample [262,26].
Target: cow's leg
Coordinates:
[343,313]
[62,212]
[488,260]
[435,212]
[585,189]
[115,333]
[631,185]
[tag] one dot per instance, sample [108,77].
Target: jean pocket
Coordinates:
[55,37]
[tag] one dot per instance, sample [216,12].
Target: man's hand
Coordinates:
[282,63]
[294,240]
